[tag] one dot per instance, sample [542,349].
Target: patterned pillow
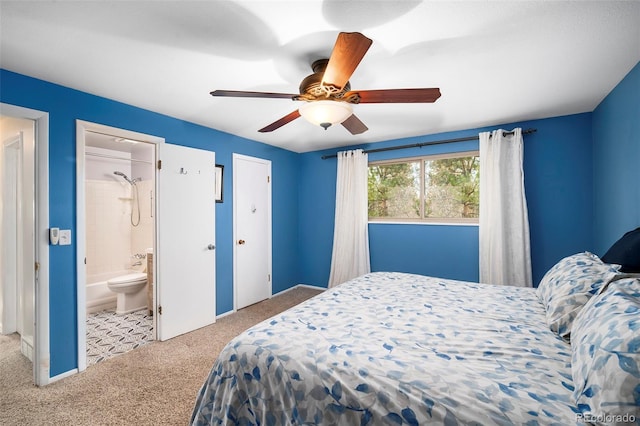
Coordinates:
[568,285]
[605,359]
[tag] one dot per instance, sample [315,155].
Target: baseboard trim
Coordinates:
[233,311]
[299,285]
[315,287]
[63,375]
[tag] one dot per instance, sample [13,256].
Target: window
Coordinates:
[437,188]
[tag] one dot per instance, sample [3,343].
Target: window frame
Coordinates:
[422,219]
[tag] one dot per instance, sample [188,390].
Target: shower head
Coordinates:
[124,177]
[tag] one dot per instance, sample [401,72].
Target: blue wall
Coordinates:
[581,185]
[557,165]
[616,166]
[64,106]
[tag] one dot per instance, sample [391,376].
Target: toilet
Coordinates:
[130,292]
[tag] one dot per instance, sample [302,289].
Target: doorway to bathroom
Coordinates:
[181,259]
[119,188]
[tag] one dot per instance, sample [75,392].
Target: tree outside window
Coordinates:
[443,188]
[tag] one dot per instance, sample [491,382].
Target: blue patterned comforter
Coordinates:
[394,348]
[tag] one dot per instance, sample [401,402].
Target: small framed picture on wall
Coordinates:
[219,177]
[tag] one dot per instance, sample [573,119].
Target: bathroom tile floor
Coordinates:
[110,334]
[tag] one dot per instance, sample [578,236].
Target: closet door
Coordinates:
[252,230]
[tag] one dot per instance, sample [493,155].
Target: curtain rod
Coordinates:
[421,144]
[114,157]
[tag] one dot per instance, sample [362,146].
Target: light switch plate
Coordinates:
[65,237]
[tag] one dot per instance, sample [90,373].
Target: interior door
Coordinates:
[252,229]
[185,284]
[10,312]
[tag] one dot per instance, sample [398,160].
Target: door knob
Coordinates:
[241,242]
[211,247]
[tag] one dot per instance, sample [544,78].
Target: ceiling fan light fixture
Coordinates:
[327,92]
[326,113]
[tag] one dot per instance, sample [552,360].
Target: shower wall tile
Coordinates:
[108,227]
[111,239]
[142,235]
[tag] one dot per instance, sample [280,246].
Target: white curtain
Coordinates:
[350,257]
[505,253]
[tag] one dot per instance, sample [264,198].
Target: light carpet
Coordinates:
[155,384]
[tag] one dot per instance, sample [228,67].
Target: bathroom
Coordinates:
[119,210]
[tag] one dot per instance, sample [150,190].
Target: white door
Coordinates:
[185,285]
[36,240]
[252,230]
[10,239]
[17,236]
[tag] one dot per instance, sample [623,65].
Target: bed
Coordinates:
[397,348]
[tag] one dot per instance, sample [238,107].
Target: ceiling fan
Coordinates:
[327,93]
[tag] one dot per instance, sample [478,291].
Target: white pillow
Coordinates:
[605,363]
[568,285]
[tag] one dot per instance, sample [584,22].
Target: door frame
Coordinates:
[81,222]
[269,231]
[41,348]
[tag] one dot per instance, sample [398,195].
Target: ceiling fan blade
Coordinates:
[347,53]
[396,95]
[354,125]
[279,123]
[243,94]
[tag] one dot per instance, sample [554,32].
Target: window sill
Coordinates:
[389,222]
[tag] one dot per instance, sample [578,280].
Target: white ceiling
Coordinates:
[495,62]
